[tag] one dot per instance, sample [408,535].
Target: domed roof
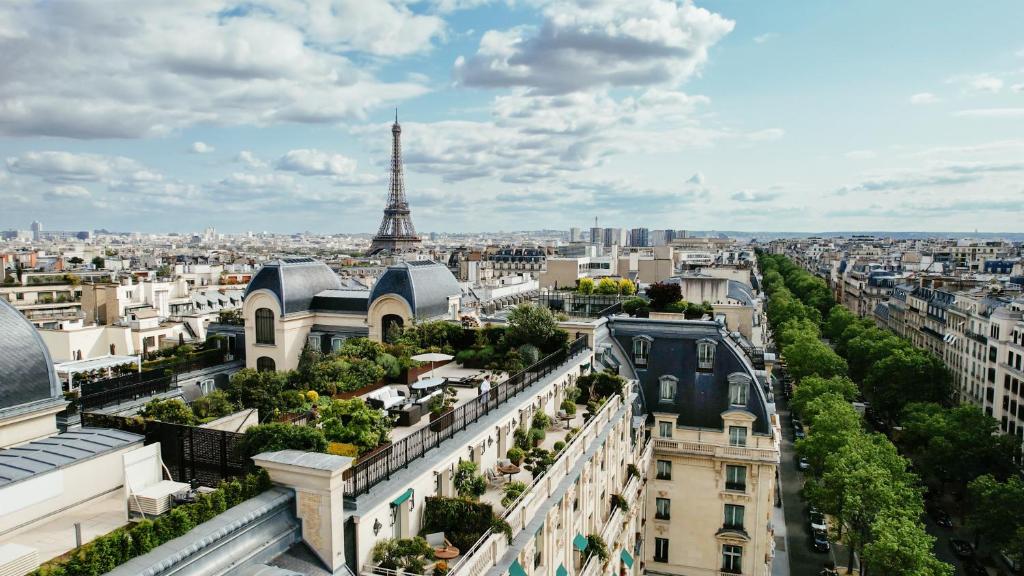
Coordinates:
[28,379]
[295,281]
[425,285]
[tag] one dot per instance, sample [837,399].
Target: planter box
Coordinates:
[441,421]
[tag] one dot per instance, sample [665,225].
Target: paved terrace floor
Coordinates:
[57,536]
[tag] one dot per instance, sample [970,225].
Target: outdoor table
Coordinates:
[511,470]
[427,383]
[566,419]
[446,552]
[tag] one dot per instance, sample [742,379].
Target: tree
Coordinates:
[529,324]
[172,411]
[810,356]
[634,306]
[214,405]
[626,287]
[278,436]
[99,262]
[585,285]
[996,513]
[833,422]
[906,375]
[75,260]
[468,483]
[663,293]
[900,547]
[251,389]
[164,271]
[838,320]
[813,387]
[607,286]
[354,422]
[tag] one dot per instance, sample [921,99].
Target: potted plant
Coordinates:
[468,483]
[536,436]
[515,455]
[440,406]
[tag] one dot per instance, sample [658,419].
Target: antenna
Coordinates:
[396,115]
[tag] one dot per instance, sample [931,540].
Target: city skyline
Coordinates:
[714,115]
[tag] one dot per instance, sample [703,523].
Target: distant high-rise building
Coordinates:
[661,237]
[596,236]
[37,230]
[639,237]
[574,234]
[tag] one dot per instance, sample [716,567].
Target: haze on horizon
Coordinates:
[274,115]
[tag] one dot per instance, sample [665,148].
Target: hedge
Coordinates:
[463,522]
[111,550]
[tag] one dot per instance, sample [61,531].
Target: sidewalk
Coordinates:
[780,565]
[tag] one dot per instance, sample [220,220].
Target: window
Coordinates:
[265,364]
[641,348]
[313,342]
[738,392]
[664,470]
[336,343]
[667,388]
[665,429]
[661,549]
[733,516]
[737,436]
[663,508]
[732,559]
[264,326]
[735,477]
[705,354]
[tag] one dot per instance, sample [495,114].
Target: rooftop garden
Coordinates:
[606,286]
[666,297]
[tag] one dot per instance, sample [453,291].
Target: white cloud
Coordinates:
[249,159]
[1017,88]
[924,98]
[67,192]
[861,154]
[697,178]
[766,37]
[201,148]
[767,135]
[66,166]
[754,196]
[597,43]
[131,69]
[309,162]
[991,113]
[978,83]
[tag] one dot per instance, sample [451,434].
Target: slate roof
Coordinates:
[48,454]
[295,282]
[351,301]
[701,397]
[27,376]
[426,285]
[740,291]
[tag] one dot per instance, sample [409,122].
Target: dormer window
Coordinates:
[705,355]
[667,388]
[641,350]
[739,387]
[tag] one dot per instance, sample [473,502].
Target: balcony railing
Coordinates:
[490,547]
[369,472]
[717,451]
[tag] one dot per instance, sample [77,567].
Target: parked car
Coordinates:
[941,517]
[802,464]
[819,541]
[961,548]
[799,434]
[818,521]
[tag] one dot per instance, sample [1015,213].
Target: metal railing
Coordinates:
[366,474]
[129,387]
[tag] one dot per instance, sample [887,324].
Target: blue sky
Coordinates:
[274,114]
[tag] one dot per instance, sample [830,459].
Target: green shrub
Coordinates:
[212,406]
[521,439]
[462,521]
[569,407]
[559,446]
[529,353]
[291,400]
[513,490]
[515,454]
[277,436]
[536,436]
[467,482]
[541,421]
[466,357]
[172,411]
[597,547]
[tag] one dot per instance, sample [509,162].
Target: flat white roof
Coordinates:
[108,361]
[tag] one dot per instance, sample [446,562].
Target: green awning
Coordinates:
[516,569]
[580,541]
[626,558]
[401,499]
[561,571]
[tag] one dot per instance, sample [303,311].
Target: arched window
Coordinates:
[739,385]
[265,364]
[641,350]
[264,326]
[667,388]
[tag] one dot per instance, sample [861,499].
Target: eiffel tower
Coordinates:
[396,233]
